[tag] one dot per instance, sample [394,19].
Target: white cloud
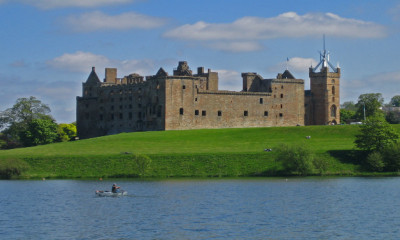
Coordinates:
[49,4]
[95,21]
[83,61]
[295,64]
[288,24]
[387,83]
[229,80]
[246,30]
[243,46]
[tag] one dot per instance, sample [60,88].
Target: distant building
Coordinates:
[193,101]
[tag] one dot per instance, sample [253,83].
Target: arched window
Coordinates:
[333,111]
[333,90]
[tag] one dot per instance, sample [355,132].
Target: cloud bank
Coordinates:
[97,21]
[247,30]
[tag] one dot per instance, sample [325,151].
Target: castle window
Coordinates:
[196,112]
[139,105]
[120,116]
[203,113]
[333,80]
[112,116]
[195,99]
[282,87]
[265,113]
[333,90]
[112,107]
[333,111]
[246,113]
[274,96]
[159,111]
[219,113]
[281,95]
[181,111]
[183,87]
[120,106]
[139,115]
[261,100]
[130,116]
[120,99]
[130,106]
[101,117]
[333,99]
[281,106]
[280,114]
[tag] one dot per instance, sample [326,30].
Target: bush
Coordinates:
[142,163]
[391,156]
[321,164]
[11,167]
[375,162]
[295,159]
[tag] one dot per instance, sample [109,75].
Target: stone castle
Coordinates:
[188,100]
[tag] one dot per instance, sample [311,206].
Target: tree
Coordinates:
[15,121]
[66,132]
[346,115]
[371,102]
[376,134]
[349,105]
[38,132]
[395,101]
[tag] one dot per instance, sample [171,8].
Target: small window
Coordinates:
[121,116]
[281,95]
[183,87]
[219,113]
[282,87]
[265,113]
[195,99]
[246,113]
[280,114]
[120,107]
[281,106]
[181,111]
[101,117]
[139,115]
[130,116]
[196,112]
[333,90]
[203,113]
[130,106]
[274,96]
[112,116]
[261,100]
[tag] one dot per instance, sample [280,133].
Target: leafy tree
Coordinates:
[16,120]
[295,158]
[376,134]
[371,102]
[395,101]
[66,132]
[39,131]
[346,115]
[349,105]
[392,117]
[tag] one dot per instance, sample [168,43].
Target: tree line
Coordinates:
[29,123]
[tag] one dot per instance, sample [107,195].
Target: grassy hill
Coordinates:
[190,153]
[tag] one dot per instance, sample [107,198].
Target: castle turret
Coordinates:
[325,97]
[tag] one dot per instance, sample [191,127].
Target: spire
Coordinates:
[324,59]
[93,78]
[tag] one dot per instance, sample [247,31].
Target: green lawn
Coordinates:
[198,153]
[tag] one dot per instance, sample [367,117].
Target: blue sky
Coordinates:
[49,46]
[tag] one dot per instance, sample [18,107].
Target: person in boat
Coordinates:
[115,188]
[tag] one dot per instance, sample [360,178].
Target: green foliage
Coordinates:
[391,156]
[376,134]
[321,164]
[143,163]
[11,168]
[38,132]
[395,101]
[295,158]
[392,117]
[346,115]
[349,105]
[15,121]
[372,102]
[66,132]
[375,162]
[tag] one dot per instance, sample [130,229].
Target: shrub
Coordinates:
[142,163]
[391,156]
[11,167]
[321,164]
[295,159]
[375,162]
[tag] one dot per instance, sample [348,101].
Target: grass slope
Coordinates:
[190,153]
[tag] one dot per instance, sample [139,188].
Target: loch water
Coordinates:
[260,208]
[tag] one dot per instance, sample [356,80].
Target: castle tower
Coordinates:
[325,92]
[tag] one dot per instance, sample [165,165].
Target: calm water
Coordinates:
[304,208]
